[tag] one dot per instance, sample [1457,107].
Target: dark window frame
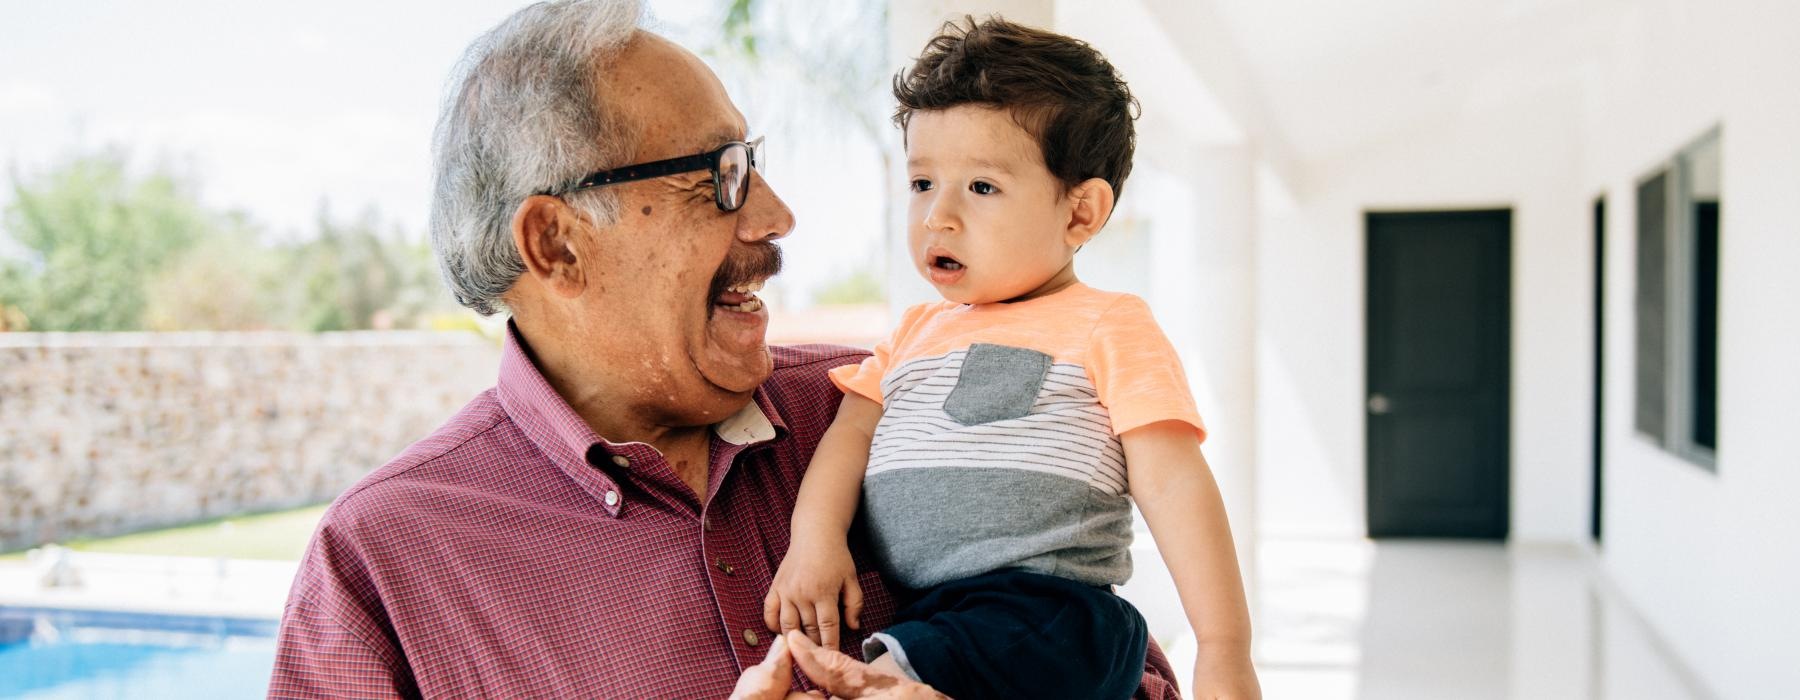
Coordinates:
[1686,344]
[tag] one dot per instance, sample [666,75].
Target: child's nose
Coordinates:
[942,215]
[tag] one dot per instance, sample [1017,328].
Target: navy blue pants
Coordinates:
[1014,634]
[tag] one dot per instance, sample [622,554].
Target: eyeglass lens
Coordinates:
[734,177]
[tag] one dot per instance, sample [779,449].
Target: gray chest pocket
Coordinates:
[996,383]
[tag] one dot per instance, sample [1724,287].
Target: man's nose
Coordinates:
[765,217]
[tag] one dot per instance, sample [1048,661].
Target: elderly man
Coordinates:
[605,521]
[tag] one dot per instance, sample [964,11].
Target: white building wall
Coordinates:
[1710,559]
[1519,155]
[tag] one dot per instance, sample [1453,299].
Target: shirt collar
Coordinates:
[554,427]
[750,425]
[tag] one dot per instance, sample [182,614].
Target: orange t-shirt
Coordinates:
[998,445]
[1111,336]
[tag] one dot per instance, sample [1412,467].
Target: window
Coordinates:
[1678,303]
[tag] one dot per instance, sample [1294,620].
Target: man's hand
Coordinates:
[845,677]
[838,674]
[1226,674]
[770,679]
[804,595]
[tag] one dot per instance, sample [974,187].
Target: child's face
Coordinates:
[987,221]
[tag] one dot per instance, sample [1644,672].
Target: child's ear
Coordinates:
[1091,204]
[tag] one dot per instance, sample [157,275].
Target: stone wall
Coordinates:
[104,433]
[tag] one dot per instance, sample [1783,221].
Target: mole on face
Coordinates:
[646,210]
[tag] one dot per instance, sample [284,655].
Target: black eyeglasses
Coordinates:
[730,165]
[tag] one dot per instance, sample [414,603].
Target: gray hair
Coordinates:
[522,117]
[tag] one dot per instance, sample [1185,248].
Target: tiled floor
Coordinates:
[1335,619]
[1340,619]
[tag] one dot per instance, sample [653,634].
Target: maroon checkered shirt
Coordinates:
[514,553]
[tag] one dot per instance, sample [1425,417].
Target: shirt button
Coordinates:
[612,498]
[706,522]
[751,638]
[725,567]
[622,461]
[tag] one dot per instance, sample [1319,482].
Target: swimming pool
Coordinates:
[87,654]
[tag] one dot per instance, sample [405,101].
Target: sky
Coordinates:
[281,109]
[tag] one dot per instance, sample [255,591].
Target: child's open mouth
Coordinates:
[942,268]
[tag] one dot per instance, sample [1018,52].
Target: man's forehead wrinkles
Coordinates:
[674,143]
[688,143]
[722,135]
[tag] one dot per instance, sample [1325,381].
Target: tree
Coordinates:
[355,277]
[88,247]
[817,65]
[88,238]
[818,68]
[228,281]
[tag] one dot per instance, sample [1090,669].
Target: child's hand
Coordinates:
[1226,674]
[805,593]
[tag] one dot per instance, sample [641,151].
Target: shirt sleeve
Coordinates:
[328,647]
[316,657]
[865,379]
[1137,371]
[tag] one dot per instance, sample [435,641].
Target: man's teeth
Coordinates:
[751,306]
[746,288]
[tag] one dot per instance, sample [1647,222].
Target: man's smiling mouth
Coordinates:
[741,298]
[740,277]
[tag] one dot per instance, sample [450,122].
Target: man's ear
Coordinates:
[1091,204]
[544,230]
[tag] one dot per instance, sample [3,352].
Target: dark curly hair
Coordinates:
[1059,89]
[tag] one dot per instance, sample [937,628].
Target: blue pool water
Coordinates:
[68,654]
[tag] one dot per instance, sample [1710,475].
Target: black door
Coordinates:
[1439,331]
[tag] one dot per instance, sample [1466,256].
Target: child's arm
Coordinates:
[1175,490]
[817,567]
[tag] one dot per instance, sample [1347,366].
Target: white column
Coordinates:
[1204,294]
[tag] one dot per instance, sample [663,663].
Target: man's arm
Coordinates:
[317,657]
[1175,490]
[329,646]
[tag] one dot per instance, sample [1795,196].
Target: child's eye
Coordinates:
[979,187]
[920,184]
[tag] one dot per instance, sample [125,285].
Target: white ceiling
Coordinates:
[1336,75]
[1165,84]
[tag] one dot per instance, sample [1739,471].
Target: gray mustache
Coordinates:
[752,262]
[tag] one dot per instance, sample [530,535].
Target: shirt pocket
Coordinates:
[996,383]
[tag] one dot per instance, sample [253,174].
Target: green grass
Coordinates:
[279,536]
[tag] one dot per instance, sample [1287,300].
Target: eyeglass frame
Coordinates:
[709,161]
